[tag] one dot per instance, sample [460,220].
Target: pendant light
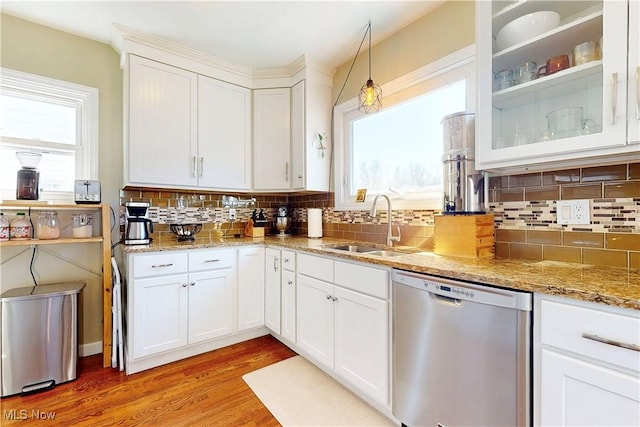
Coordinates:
[370,93]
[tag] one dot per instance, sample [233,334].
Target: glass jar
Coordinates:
[82,226]
[48,226]
[20,228]
[4,228]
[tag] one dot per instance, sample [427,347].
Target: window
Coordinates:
[54,118]
[398,151]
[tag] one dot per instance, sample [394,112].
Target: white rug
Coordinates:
[299,394]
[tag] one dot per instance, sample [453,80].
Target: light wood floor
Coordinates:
[203,390]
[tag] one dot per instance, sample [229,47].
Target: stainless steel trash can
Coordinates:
[39,337]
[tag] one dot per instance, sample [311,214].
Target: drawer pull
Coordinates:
[210,260]
[161,265]
[634,347]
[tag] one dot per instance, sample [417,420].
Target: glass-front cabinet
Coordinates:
[554,83]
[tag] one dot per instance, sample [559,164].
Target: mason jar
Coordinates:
[48,226]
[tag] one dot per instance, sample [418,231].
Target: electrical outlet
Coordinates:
[232,214]
[573,211]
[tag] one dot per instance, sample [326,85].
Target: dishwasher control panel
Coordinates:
[459,290]
[454,291]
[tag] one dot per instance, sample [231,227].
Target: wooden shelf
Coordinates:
[59,241]
[48,206]
[105,240]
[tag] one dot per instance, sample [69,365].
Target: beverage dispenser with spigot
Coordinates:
[463,184]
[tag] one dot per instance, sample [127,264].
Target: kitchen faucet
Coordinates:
[390,237]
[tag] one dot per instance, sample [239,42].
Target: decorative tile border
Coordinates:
[607,215]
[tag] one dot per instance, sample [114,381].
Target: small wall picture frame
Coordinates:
[361,194]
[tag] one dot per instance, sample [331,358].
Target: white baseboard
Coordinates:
[90,349]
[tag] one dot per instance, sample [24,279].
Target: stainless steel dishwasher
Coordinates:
[461,353]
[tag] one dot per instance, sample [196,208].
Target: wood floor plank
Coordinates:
[204,390]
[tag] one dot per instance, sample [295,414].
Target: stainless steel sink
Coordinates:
[385,253]
[355,248]
[368,250]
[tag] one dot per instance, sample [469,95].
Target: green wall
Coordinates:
[36,49]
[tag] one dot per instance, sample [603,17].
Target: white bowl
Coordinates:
[527,27]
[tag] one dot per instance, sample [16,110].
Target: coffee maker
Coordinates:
[463,184]
[138,226]
[28,177]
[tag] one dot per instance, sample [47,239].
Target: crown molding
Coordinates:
[128,40]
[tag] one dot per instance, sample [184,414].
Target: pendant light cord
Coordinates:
[369,30]
[344,84]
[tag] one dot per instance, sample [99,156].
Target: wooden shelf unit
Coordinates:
[104,239]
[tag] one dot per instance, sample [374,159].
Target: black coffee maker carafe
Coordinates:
[28,177]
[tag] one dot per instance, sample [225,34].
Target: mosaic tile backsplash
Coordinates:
[523,206]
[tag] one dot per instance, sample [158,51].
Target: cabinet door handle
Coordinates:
[192,283]
[286,171]
[334,299]
[594,337]
[162,265]
[614,97]
[201,166]
[285,260]
[184,285]
[275,264]
[638,92]
[290,282]
[210,260]
[328,296]
[193,172]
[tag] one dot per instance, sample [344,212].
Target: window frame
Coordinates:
[461,61]
[86,101]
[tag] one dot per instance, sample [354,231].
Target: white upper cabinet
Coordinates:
[634,73]
[224,135]
[577,114]
[162,120]
[310,117]
[272,139]
[186,130]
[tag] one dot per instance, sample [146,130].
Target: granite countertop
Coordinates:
[607,285]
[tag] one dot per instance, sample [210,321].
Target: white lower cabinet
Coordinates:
[362,342]
[342,327]
[272,280]
[250,287]
[583,376]
[288,296]
[210,303]
[580,393]
[159,314]
[182,303]
[315,318]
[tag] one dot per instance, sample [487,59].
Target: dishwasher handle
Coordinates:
[448,300]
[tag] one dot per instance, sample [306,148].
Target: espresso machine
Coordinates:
[138,225]
[463,184]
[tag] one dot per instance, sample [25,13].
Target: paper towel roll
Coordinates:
[314,222]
